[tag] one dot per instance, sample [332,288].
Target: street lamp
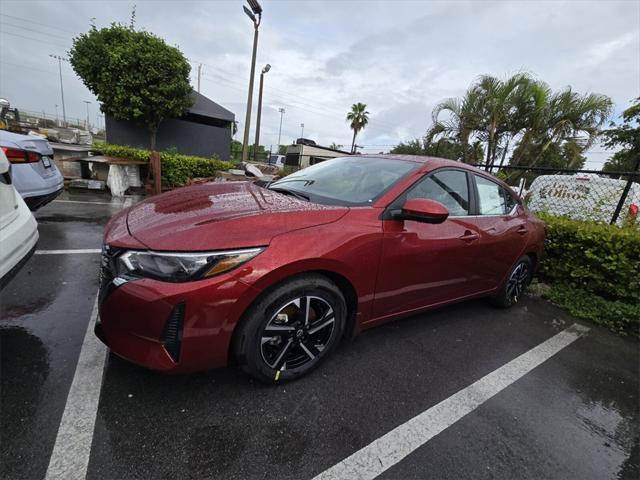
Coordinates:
[266,68]
[281,110]
[256,10]
[60,60]
[87,102]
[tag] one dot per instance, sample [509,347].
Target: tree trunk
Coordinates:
[504,153]
[154,162]
[153,130]
[353,142]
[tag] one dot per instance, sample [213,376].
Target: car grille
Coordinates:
[107,271]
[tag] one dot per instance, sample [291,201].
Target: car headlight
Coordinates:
[181,267]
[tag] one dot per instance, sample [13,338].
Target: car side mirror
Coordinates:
[422,210]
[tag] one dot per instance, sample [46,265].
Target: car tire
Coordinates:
[280,339]
[517,281]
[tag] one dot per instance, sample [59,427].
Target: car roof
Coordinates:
[433,162]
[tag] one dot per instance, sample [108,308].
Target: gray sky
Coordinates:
[398,57]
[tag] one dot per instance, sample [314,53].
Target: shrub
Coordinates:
[177,169]
[620,317]
[597,258]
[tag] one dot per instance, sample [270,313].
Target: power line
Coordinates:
[22,27]
[305,101]
[39,40]
[48,25]
[305,105]
[32,68]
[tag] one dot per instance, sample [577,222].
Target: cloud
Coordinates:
[400,58]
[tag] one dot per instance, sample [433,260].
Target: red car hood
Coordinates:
[219,216]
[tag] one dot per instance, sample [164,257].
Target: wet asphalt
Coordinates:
[575,416]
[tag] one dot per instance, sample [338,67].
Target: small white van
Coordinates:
[277,160]
[582,196]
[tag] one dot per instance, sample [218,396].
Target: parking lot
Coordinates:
[567,410]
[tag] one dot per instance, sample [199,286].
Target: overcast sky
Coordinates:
[398,57]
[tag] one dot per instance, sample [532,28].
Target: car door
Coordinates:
[425,264]
[502,226]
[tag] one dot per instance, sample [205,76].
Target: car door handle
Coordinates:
[522,230]
[469,236]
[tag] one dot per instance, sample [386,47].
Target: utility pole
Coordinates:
[199,70]
[266,68]
[256,9]
[281,110]
[87,102]
[60,59]
[302,130]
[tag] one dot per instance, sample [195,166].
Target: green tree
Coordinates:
[519,112]
[442,148]
[412,147]
[626,136]
[135,75]
[236,150]
[565,116]
[335,146]
[358,118]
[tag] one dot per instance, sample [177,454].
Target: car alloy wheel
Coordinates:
[518,281]
[290,329]
[297,333]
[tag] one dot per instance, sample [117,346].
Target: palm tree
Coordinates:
[565,116]
[520,112]
[358,118]
[490,112]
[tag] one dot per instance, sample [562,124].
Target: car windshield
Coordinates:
[345,180]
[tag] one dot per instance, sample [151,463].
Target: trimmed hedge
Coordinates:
[597,258]
[177,169]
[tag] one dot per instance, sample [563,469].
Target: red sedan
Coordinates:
[273,276]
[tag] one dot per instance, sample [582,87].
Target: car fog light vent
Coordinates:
[172,333]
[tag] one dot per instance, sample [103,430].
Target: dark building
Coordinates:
[204,130]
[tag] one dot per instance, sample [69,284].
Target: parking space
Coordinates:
[573,416]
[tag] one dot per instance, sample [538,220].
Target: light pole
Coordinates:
[281,110]
[302,130]
[87,102]
[266,68]
[60,59]
[256,9]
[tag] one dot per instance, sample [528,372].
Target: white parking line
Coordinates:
[67,252]
[386,451]
[72,449]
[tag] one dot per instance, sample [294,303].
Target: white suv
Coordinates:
[18,228]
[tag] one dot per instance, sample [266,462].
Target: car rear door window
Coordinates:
[449,187]
[493,199]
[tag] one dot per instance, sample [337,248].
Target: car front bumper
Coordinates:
[172,327]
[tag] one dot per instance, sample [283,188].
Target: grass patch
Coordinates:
[618,316]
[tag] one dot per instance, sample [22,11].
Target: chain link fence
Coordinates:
[611,197]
